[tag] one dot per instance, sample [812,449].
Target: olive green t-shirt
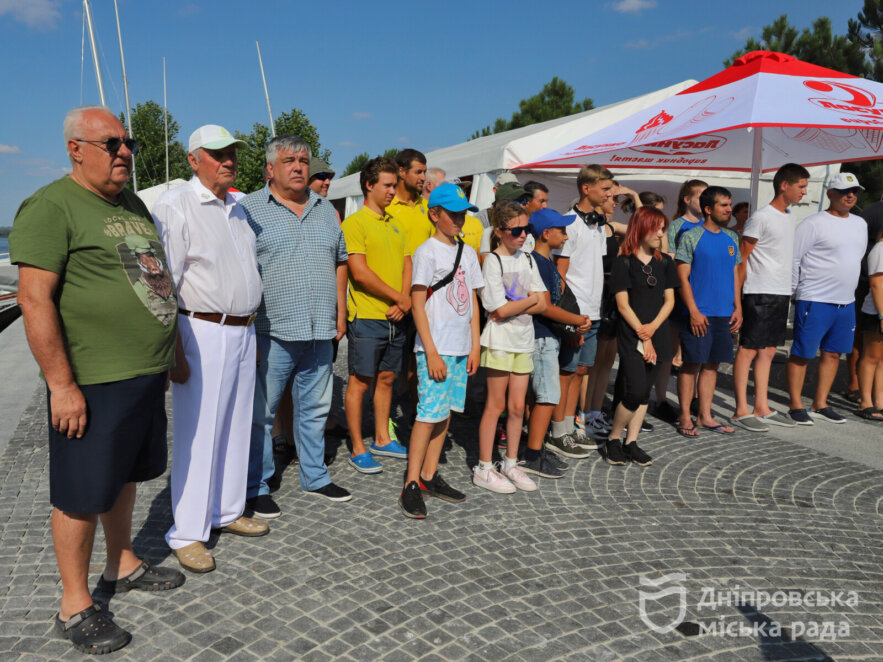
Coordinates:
[115,298]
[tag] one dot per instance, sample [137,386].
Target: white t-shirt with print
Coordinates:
[875,266]
[450,309]
[520,277]
[585,247]
[768,268]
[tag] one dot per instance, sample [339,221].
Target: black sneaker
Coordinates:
[646,426]
[439,488]
[263,506]
[636,455]
[541,466]
[666,413]
[613,452]
[556,461]
[332,492]
[411,501]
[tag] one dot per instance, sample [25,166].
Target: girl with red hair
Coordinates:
[643,281]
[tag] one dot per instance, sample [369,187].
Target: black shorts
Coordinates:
[764,320]
[124,442]
[869,323]
[374,346]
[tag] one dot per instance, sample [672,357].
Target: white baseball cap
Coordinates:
[506,178]
[844,180]
[212,136]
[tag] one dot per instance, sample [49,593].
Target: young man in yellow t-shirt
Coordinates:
[379,266]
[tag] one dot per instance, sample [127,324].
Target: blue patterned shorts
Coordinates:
[436,400]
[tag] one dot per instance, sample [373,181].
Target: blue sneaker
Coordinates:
[392,449]
[365,463]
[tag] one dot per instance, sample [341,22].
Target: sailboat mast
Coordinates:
[126,90]
[266,94]
[87,10]
[165,112]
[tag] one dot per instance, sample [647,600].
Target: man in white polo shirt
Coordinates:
[212,257]
[765,279]
[828,251]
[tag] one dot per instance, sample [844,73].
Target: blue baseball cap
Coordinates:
[546,219]
[451,197]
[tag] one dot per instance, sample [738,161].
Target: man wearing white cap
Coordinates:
[212,257]
[828,251]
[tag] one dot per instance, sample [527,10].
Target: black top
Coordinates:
[645,300]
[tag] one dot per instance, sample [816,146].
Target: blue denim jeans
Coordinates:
[309,363]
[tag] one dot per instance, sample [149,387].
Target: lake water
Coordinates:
[4,245]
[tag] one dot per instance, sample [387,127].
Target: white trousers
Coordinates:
[212,414]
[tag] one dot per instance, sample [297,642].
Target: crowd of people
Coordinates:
[240,302]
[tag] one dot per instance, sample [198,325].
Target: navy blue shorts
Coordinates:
[826,326]
[374,346]
[124,442]
[716,346]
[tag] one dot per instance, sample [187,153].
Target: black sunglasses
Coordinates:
[517,232]
[523,200]
[648,271]
[112,145]
[846,191]
[322,176]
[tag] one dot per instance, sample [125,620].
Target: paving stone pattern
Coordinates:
[548,575]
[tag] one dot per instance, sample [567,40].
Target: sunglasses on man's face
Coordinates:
[112,145]
[846,191]
[517,232]
[523,200]
[322,176]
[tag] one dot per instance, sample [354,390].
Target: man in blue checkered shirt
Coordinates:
[302,259]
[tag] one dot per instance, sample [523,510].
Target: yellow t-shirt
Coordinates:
[413,220]
[471,233]
[381,240]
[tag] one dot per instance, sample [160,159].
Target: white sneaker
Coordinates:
[493,480]
[518,478]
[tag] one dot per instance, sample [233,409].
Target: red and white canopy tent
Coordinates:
[766,110]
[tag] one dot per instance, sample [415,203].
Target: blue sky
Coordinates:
[369,75]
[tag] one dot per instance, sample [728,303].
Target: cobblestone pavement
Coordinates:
[549,575]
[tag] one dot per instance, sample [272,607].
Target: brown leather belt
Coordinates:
[221,318]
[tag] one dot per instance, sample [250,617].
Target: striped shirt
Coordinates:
[297,259]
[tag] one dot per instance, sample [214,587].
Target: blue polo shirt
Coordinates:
[712,257]
[297,259]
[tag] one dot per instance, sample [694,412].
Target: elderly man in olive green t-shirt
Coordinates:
[99,310]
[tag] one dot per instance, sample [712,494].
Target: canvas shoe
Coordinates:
[263,506]
[541,466]
[775,418]
[565,445]
[827,414]
[519,479]
[800,416]
[491,479]
[554,460]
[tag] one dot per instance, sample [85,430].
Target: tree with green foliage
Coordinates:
[360,160]
[150,161]
[555,100]
[253,159]
[858,53]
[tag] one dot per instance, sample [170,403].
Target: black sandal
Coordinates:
[870,414]
[145,578]
[92,631]
[852,396]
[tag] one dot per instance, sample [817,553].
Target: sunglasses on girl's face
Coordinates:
[322,176]
[517,232]
[112,145]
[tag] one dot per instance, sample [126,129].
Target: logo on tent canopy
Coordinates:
[843,98]
[683,146]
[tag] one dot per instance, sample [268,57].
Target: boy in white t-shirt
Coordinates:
[764,277]
[445,276]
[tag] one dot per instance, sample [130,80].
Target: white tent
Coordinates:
[150,195]
[485,158]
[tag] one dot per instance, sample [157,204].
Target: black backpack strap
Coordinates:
[447,279]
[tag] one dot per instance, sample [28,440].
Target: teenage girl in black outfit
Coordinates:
[643,280]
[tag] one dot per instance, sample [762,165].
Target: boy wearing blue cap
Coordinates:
[556,325]
[445,276]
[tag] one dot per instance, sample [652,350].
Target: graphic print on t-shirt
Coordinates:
[458,292]
[149,277]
